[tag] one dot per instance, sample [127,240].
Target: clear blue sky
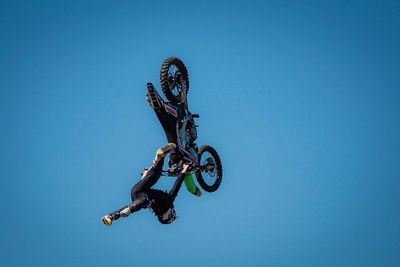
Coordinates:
[300,99]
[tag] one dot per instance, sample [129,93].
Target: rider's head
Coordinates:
[168,216]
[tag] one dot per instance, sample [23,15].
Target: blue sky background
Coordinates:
[301,99]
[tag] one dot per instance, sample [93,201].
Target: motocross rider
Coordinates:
[143,196]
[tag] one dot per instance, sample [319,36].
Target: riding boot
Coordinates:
[163,151]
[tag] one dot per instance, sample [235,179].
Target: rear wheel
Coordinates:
[209,175]
[174,79]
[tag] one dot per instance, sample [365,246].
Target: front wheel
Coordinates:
[209,174]
[174,79]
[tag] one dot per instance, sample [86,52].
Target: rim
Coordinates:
[210,175]
[175,80]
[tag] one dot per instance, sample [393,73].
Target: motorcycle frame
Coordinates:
[157,103]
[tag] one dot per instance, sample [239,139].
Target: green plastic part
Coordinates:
[190,185]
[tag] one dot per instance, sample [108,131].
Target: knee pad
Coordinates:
[141,201]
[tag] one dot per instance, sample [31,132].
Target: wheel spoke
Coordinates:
[209,176]
[174,84]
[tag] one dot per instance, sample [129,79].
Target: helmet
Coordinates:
[168,216]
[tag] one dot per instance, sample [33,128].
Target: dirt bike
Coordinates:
[205,161]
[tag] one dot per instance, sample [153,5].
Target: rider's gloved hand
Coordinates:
[186,168]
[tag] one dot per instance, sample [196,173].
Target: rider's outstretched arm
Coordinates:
[178,183]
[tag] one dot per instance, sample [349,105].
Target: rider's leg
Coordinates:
[139,197]
[153,173]
[141,201]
